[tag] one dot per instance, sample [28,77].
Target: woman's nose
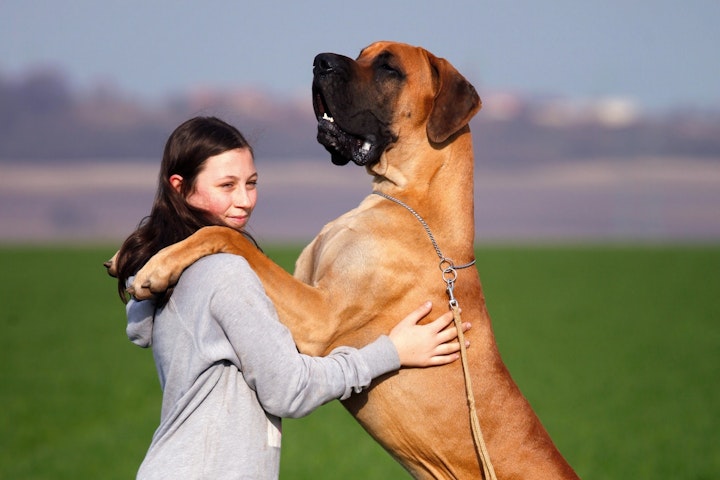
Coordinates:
[241,198]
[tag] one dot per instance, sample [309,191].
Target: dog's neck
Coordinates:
[441,188]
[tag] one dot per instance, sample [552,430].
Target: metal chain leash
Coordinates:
[449,275]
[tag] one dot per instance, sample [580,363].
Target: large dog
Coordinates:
[403,113]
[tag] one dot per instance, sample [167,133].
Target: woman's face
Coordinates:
[226,187]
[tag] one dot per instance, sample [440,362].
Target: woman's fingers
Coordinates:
[451,333]
[441,322]
[418,314]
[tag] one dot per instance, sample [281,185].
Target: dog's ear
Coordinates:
[456,101]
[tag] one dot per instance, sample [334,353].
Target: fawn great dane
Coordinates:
[402,113]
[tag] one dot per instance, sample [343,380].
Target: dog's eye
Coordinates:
[390,70]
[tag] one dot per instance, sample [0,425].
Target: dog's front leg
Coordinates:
[163,270]
[302,308]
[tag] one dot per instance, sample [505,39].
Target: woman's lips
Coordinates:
[238,221]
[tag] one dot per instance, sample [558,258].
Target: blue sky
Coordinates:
[662,53]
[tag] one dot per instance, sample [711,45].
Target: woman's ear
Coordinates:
[176,182]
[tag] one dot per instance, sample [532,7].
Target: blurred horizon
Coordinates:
[600,120]
[547,169]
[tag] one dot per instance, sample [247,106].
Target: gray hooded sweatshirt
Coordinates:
[229,371]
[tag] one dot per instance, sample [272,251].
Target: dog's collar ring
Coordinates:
[448,269]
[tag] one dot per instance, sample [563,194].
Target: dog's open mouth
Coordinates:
[342,145]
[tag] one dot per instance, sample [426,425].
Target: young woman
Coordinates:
[228,368]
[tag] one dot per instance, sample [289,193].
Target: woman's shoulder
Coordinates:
[218,279]
[222,262]
[219,267]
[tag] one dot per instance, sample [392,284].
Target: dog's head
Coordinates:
[391,93]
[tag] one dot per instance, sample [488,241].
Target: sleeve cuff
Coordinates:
[381,356]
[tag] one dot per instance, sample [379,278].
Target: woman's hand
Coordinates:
[426,345]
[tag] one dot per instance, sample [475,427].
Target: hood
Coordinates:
[140,318]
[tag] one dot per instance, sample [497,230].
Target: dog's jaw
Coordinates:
[349,130]
[342,145]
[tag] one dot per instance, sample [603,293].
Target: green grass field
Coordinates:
[616,347]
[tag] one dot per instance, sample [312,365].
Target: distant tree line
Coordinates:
[43,118]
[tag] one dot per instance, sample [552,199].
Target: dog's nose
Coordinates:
[326,63]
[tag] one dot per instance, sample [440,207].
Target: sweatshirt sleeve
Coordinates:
[287,383]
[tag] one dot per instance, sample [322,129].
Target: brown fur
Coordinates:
[373,265]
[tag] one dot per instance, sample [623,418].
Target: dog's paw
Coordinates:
[140,292]
[111,266]
[152,279]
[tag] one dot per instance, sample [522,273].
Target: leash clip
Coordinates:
[453,302]
[449,274]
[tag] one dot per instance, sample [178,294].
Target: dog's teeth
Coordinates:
[328,118]
[366,146]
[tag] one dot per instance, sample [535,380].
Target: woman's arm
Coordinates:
[289,384]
